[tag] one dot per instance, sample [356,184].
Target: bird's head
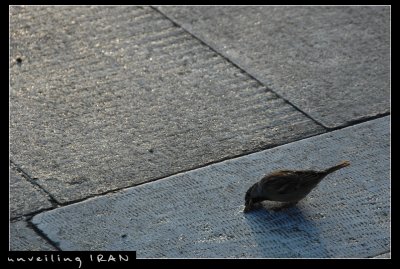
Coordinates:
[248,199]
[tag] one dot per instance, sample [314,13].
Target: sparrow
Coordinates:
[286,185]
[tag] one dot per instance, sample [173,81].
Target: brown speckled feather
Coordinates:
[285,181]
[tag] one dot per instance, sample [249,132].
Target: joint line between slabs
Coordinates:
[231,61]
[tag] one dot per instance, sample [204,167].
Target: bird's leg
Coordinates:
[290,204]
[286,205]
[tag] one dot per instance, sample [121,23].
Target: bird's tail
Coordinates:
[337,167]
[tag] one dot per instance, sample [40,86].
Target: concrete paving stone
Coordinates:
[24,238]
[199,213]
[108,97]
[384,256]
[25,198]
[331,62]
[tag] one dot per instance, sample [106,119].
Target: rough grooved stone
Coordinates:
[24,238]
[199,213]
[109,97]
[25,197]
[331,62]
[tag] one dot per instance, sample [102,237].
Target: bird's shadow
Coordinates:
[282,230]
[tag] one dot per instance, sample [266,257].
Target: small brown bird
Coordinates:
[286,185]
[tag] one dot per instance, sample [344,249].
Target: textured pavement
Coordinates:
[331,62]
[199,213]
[159,118]
[132,103]
[25,198]
[384,256]
[25,238]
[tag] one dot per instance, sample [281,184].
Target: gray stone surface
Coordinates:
[331,62]
[199,213]
[384,256]
[109,97]
[24,238]
[25,198]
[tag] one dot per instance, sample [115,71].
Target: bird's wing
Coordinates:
[285,181]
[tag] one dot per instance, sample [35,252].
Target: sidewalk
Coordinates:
[158,119]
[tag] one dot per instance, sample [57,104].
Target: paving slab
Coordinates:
[331,62]
[24,238]
[103,98]
[199,213]
[384,256]
[25,198]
